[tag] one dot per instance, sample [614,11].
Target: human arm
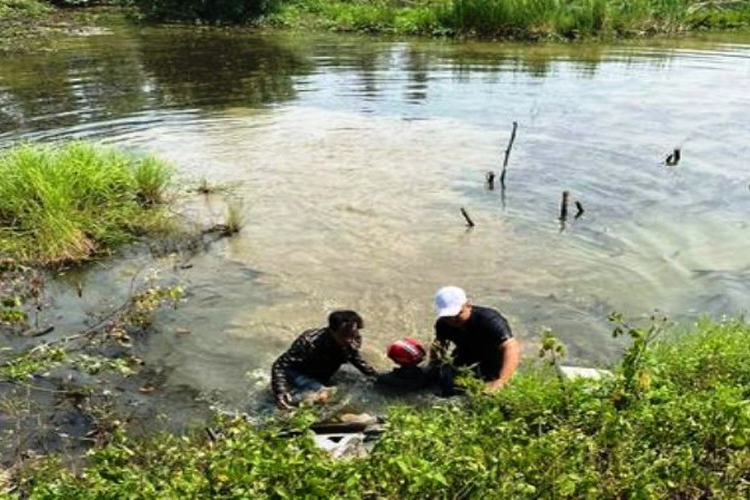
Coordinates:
[355,358]
[279,382]
[510,350]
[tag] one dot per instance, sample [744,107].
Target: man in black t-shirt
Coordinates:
[482,339]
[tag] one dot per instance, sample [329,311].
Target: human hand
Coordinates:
[493,387]
[283,401]
[323,396]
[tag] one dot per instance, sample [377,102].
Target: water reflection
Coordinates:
[212,70]
[101,78]
[105,77]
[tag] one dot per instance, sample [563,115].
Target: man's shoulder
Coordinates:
[489,317]
[311,336]
[487,313]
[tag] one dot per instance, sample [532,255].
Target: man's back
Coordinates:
[314,353]
[478,340]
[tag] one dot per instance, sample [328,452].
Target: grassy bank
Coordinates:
[25,22]
[34,25]
[68,203]
[514,19]
[673,423]
[20,22]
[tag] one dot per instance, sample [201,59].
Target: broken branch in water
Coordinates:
[469,222]
[38,332]
[579,209]
[564,206]
[221,229]
[490,178]
[507,153]
[674,158]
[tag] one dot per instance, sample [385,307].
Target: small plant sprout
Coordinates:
[204,187]
[552,349]
[234,215]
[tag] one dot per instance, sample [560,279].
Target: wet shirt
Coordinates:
[316,354]
[478,341]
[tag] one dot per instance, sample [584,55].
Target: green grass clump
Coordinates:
[674,422]
[68,203]
[15,10]
[515,19]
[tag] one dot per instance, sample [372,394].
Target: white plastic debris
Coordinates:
[576,372]
[342,445]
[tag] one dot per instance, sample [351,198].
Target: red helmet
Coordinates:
[406,352]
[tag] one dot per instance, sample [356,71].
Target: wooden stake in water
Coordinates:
[490,178]
[564,206]
[469,222]
[507,153]
[673,159]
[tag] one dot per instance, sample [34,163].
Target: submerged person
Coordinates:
[482,342]
[408,375]
[315,356]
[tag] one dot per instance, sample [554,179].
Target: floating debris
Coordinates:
[469,222]
[674,158]
[490,178]
[507,154]
[579,209]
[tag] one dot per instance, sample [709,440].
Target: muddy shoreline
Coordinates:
[64,391]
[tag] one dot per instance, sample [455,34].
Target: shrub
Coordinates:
[209,11]
[685,434]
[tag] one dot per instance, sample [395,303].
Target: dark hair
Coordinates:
[338,320]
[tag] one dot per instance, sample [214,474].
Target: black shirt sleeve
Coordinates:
[355,358]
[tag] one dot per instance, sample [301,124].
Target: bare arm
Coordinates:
[511,353]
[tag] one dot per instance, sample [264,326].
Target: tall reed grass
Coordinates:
[70,202]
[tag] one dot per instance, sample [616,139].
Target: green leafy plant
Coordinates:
[513,19]
[686,435]
[36,361]
[638,363]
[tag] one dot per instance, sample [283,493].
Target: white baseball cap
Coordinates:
[449,300]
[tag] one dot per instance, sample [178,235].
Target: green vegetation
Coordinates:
[515,19]
[36,360]
[22,10]
[503,19]
[234,216]
[34,25]
[222,12]
[69,203]
[18,22]
[674,422]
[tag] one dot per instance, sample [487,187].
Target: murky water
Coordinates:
[354,157]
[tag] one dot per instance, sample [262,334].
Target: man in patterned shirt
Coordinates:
[316,356]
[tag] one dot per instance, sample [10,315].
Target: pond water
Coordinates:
[354,156]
